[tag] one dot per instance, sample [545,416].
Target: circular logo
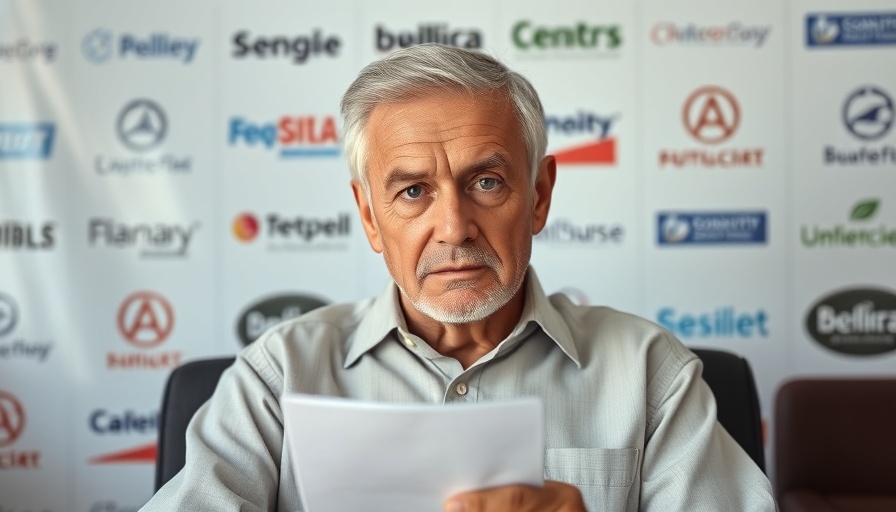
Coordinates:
[675,229]
[868,113]
[245,227]
[98,45]
[711,115]
[12,419]
[145,319]
[142,125]
[258,317]
[824,30]
[9,314]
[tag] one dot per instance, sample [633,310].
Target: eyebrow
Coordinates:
[400,176]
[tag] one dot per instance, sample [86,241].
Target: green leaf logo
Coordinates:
[864,210]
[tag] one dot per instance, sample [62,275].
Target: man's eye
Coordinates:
[488,183]
[414,192]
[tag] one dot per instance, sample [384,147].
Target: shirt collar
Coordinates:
[385,315]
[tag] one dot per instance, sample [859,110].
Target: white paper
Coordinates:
[372,457]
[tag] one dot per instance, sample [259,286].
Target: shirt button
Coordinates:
[461,389]
[409,342]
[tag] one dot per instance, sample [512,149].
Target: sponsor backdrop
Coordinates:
[172,183]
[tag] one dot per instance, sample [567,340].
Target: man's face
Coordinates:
[451,203]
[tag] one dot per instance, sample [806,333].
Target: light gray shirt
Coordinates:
[628,420]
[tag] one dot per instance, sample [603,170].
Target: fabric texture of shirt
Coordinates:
[628,420]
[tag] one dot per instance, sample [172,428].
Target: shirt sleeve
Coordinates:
[690,461]
[234,446]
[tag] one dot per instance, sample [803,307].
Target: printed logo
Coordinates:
[299,48]
[145,319]
[858,234]
[579,39]
[12,425]
[156,240]
[12,419]
[858,29]
[734,33]
[18,348]
[586,136]
[104,422]
[141,127]
[99,46]
[387,40]
[9,314]
[26,141]
[868,112]
[307,136]
[722,322]
[24,50]
[711,228]
[295,233]
[711,115]
[23,236]
[268,312]
[867,115]
[563,232]
[856,321]
[245,227]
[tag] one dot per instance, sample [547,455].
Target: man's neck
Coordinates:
[470,341]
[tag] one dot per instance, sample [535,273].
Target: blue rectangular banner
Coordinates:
[686,228]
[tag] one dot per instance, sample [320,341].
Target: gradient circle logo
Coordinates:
[245,227]
[711,115]
[145,319]
[868,113]
[12,419]
[675,229]
[9,314]
[824,30]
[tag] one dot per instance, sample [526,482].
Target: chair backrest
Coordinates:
[737,403]
[191,384]
[836,436]
[188,387]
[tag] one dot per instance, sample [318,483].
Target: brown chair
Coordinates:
[835,445]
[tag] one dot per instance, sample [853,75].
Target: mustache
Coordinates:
[472,255]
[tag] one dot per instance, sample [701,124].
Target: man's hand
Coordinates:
[553,497]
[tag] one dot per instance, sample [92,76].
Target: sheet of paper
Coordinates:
[370,457]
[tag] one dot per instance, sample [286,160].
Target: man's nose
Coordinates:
[455,221]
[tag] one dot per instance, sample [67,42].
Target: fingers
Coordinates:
[553,497]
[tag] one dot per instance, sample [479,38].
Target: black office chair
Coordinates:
[191,384]
[737,403]
[188,387]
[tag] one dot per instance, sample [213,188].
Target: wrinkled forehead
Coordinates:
[459,123]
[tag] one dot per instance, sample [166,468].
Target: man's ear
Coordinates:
[544,187]
[366,212]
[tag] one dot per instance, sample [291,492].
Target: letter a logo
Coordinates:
[711,115]
[145,319]
[12,419]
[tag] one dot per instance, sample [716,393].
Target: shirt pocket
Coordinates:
[604,476]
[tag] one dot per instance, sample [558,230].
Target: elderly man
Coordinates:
[447,152]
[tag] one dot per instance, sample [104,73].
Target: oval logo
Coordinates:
[257,318]
[857,321]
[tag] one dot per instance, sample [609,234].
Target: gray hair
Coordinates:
[405,73]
